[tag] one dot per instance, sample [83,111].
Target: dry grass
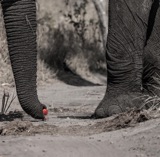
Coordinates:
[44,74]
[154,105]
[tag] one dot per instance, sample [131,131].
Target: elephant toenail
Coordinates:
[100,113]
[114,109]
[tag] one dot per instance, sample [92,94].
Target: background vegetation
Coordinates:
[70,46]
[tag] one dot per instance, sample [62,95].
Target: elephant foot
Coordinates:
[117,102]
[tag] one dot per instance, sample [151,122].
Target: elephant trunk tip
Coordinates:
[35,110]
[45,112]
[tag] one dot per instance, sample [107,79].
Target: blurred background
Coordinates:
[70,43]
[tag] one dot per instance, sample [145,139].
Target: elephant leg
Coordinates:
[20,24]
[151,73]
[126,39]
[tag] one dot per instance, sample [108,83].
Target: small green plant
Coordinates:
[6,103]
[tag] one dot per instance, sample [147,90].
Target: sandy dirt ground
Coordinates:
[70,132]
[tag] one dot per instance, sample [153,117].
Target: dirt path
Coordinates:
[70,132]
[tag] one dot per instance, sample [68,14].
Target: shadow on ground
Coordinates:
[71,78]
[11,116]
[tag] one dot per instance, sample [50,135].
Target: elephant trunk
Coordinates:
[20,23]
